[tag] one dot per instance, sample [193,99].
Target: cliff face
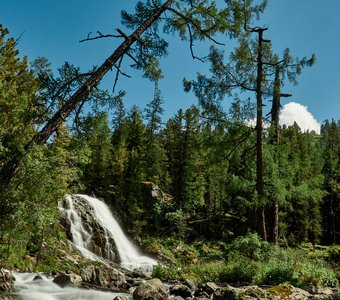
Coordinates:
[84,230]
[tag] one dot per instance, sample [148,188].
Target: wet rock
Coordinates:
[37,277]
[99,241]
[140,273]
[6,281]
[103,277]
[152,289]
[181,290]
[120,297]
[67,279]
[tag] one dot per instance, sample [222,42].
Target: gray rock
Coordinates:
[67,279]
[329,295]
[103,276]
[287,291]
[121,297]
[140,272]
[190,284]
[228,292]
[6,281]
[181,290]
[37,277]
[152,289]
[210,287]
[177,298]
[100,243]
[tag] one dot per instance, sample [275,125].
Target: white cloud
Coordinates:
[293,111]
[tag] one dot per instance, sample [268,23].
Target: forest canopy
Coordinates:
[220,178]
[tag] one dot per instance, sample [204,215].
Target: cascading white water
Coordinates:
[130,257]
[27,288]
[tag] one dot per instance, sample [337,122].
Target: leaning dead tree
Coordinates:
[10,169]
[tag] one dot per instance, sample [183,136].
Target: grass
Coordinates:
[247,260]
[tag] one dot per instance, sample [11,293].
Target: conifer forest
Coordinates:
[223,170]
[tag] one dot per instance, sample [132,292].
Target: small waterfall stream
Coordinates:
[98,236]
[81,211]
[27,288]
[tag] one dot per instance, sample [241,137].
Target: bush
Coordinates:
[250,246]
[247,259]
[238,269]
[275,272]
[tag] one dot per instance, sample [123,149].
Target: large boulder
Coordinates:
[67,279]
[103,277]
[152,289]
[287,291]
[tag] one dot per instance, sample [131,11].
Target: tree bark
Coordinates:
[275,141]
[259,133]
[9,170]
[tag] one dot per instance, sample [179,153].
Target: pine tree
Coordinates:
[330,143]
[155,153]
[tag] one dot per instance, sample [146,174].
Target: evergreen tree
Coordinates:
[304,192]
[155,153]
[330,143]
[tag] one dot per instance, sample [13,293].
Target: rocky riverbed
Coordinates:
[138,285]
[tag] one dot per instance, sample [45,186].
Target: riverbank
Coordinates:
[110,283]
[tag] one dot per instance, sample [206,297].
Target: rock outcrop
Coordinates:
[99,242]
[104,277]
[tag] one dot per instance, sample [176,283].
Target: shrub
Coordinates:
[274,272]
[250,246]
[238,269]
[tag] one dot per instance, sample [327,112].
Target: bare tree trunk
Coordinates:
[259,133]
[11,167]
[275,141]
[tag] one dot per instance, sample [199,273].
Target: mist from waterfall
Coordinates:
[82,235]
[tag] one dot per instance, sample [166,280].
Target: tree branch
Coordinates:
[193,24]
[100,36]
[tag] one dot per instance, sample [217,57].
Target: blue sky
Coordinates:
[54,28]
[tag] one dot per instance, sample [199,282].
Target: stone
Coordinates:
[6,281]
[121,297]
[287,291]
[181,290]
[190,284]
[140,273]
[228,292]
[152,289]
[177,298]
[67,279]
[37,277]
[210,287]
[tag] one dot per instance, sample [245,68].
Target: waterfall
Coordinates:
[97,234]
[27,287]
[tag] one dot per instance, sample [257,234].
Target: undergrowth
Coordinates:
[247,260]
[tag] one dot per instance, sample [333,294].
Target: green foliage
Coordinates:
[250,246]
[248,260]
